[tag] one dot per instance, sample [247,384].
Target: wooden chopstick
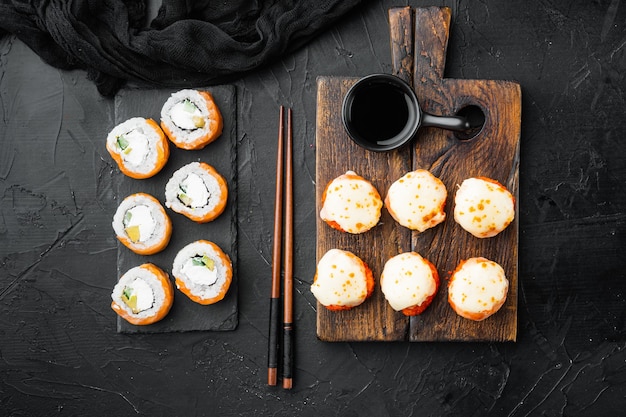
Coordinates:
[284,179]
[288,263]
[272,359]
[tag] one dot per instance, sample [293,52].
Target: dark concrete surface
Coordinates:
[60,353]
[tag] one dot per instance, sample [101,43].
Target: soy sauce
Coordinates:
[379,112]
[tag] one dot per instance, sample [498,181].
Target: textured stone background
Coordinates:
[60,353]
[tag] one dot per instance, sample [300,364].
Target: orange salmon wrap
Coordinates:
[143,295]
[142,225]
[191,119]
[139,147]
[203,272]
[197,191]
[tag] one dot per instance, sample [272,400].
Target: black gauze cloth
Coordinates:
[188,43]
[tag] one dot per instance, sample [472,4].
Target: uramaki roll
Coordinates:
[191,119]
[143,295]
[139,147]
[197,191]
[142,225]
[203,272]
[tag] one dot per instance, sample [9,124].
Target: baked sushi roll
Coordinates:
[483,207]
[342,280]
[139,147]
[142,225]
[143,295]
[409,283]
[191,119]
[351,204]
[197,191]
[417,200]
[203,272]
[477,288]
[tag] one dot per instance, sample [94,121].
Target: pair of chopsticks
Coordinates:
[284,179]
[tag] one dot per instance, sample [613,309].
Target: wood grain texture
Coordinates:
[336,153]
[493,152]
[402,31]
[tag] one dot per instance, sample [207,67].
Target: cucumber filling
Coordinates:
[138,296]
[134,146]
[192,192]
[138,223]
[200,270]
[186,115]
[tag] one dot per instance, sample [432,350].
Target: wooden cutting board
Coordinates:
[419,39]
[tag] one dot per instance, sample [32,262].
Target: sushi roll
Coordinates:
[342,280]
[139,147]
[143,295]
[203,272]
[351,204]
[197,191]
[477,288]
[191,119]
[409,283]
[483,207]
[142,225]
[417,200]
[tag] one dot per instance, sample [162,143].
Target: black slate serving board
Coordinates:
[185,315]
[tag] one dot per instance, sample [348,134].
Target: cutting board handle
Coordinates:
[419,42]
[401,32]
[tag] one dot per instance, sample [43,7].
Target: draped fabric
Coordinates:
[188,42]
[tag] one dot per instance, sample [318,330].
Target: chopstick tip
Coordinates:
[271,376]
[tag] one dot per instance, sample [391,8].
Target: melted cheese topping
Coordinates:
[478,288]
[417,200]
[352,203]
[484,208]
[407,281]
[340,279]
